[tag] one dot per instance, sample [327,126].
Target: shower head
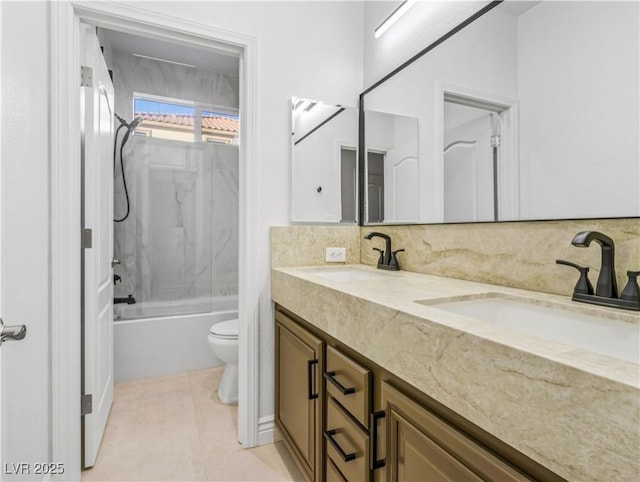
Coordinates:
[123,123]
[135,123]
[130,128]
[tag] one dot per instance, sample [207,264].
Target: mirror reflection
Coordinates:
[391,168]
[323,162]
[530,112]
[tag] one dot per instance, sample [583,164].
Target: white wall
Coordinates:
[304,49]
[26,387]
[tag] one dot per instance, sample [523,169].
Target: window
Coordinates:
[185,121]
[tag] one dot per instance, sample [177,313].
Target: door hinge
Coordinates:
[86,404]
[86,238]
[496,141]
[86,76]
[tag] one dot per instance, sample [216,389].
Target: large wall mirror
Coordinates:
[324,140]
[530,112]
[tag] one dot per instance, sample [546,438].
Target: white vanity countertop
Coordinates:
[572,410]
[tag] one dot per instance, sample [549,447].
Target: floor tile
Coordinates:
[174,427]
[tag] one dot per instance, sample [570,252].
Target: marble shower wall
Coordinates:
[181,238]
[136,74]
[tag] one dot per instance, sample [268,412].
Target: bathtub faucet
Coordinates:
[130,300]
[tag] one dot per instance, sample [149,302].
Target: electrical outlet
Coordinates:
[336,255]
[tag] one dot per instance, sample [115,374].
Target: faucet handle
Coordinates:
[394,260]
[583,285]
[631,292]
[381,259]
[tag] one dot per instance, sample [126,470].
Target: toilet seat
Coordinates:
[227,330]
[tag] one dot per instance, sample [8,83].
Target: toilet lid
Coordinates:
[226,329]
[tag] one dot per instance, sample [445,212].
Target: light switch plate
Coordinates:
[336,255]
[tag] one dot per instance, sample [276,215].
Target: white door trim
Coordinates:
[509,163]
[65,208]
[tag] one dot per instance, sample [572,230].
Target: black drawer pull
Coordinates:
[329,376]
[310,364]
[328,434]
[373,446]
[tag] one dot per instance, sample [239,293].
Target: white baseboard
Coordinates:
[265,430]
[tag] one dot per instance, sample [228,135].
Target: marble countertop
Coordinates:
[572,410]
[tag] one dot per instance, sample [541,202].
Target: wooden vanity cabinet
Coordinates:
[421,446]
[299,365]
[368,425]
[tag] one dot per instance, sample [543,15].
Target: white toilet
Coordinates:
[223,340]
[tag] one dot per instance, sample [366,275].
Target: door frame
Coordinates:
[508,160]
[66,203]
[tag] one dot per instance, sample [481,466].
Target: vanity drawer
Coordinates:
[333,474]
[350,384]
[347,444]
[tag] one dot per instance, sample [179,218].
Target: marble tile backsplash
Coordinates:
[305,245]
[517,254]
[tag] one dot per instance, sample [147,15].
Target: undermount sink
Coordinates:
[344,273]
[614,338]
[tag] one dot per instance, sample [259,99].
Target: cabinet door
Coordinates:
[299,365]
[421,446]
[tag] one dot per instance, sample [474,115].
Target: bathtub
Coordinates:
[160,345]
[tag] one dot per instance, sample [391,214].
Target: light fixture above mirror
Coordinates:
[398,12]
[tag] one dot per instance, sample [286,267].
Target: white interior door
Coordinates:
[98,217]
[24,244]
[404,182]
[468,171]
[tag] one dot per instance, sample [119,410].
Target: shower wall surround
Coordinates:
[180,241]
[146,76]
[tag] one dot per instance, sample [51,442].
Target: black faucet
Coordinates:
[607,285]
[388,259]
[606,292]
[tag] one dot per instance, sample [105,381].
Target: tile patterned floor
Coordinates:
[174,428]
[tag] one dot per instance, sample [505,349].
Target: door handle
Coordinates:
[310,364]
[374,463]
[14,332]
